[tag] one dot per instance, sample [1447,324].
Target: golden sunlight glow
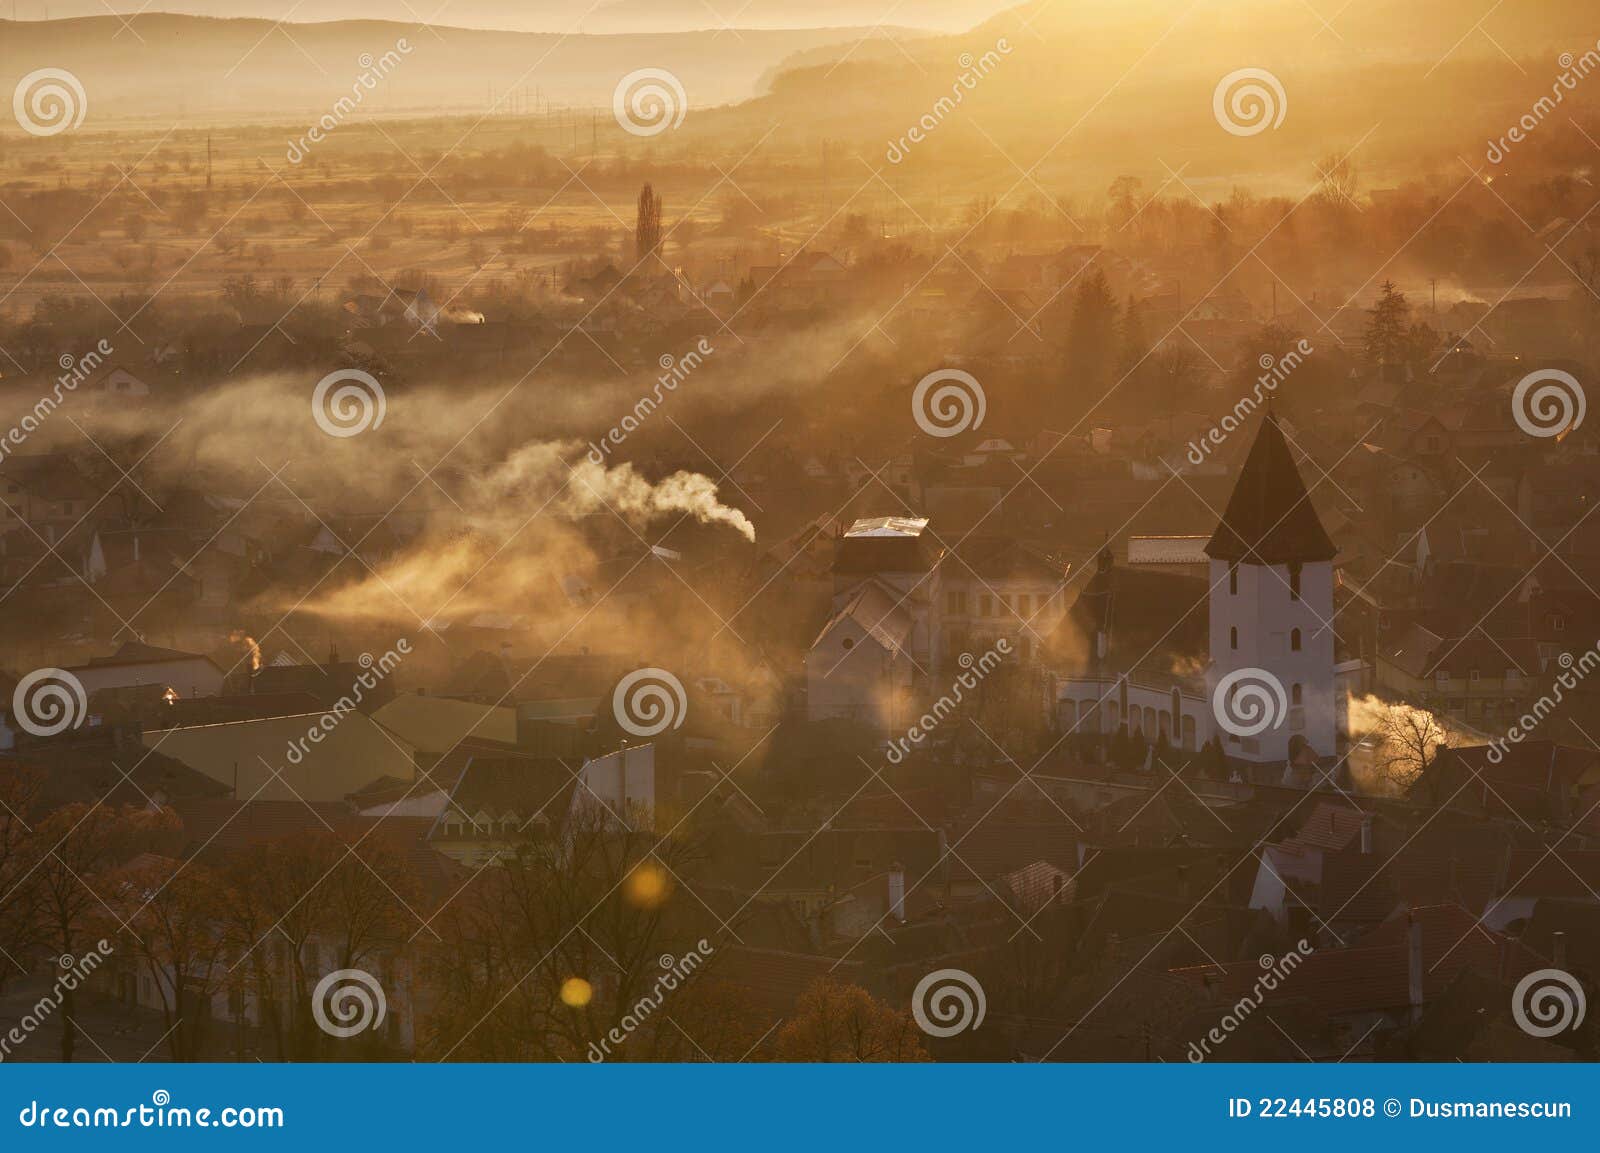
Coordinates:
[576,992]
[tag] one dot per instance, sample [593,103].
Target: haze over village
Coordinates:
[1058,532]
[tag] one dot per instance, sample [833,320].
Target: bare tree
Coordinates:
[1409,740]
[551,948]
[176,913]
[19,846]
[839,1022]
[80,844]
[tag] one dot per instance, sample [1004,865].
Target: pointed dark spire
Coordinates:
[1269,518]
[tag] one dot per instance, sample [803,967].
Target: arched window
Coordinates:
[1233,637]
[1294,640]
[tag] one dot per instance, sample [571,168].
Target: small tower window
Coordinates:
[1297,695]
[1294,582]
[1294,640]
[1233,637]
[1233,580]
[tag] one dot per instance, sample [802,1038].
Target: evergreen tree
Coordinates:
[1387,329]
[647,225]
[1134,342]
[1138,752]
[1120,746]
[1092,335]
[1165,754]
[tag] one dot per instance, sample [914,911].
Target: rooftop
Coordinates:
[1270,518]
[890,526]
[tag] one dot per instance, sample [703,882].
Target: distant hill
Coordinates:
[1089,91]
[617,16]
[191,67]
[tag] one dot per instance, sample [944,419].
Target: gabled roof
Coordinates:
[138,653]
[878,613]
[1270,518]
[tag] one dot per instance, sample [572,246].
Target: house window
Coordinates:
[1441,679]
[1024,605]
[1472,676]
[1233,637]
[956,603]
[1558,624]
[1233,580]
[1294,582]
[1294,640]
[1297,695]
[985,605]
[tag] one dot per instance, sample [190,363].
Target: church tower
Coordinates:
[1271,676]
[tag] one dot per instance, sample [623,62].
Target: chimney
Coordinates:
[1414,964]
[1366,833]
[897,892]
[1558,949]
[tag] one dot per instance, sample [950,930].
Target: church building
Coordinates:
[1244,654]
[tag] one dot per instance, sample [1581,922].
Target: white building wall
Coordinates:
[1254,627]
